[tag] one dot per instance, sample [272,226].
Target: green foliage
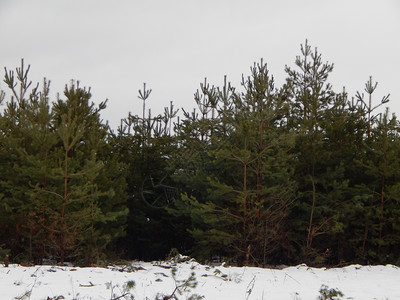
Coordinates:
[238,189]
[146,146]
[329,294]
[377,195]
[265,175]
[181,287]
[54,198]
[124,292]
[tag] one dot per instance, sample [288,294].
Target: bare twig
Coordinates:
[87,285]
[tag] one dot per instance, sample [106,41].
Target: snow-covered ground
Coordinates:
[158,280]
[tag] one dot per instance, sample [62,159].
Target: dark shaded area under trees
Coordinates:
[266,175]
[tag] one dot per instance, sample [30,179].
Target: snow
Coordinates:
[155,280]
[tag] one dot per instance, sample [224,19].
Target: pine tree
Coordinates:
[146,145]
[315,109]
[378,194]
[26,141]
[246,196]
[88,198]
[54,199]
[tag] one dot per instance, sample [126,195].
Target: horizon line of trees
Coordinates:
[266,175]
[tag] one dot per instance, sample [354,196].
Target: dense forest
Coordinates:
[254,175]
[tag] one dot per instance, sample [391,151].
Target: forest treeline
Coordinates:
[266,175]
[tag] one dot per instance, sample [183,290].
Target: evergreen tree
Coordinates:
[378,195]
[146,145]
[91,212]
[267,175]
[248,192]
[54,199]
[315,112]
[27,138]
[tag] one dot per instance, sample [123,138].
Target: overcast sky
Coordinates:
[115,46]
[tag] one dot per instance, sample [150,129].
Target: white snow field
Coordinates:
[155,280]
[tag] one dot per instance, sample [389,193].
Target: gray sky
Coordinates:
[115,46]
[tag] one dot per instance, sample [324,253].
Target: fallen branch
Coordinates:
[119,297]
[163,266]
[87,285]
